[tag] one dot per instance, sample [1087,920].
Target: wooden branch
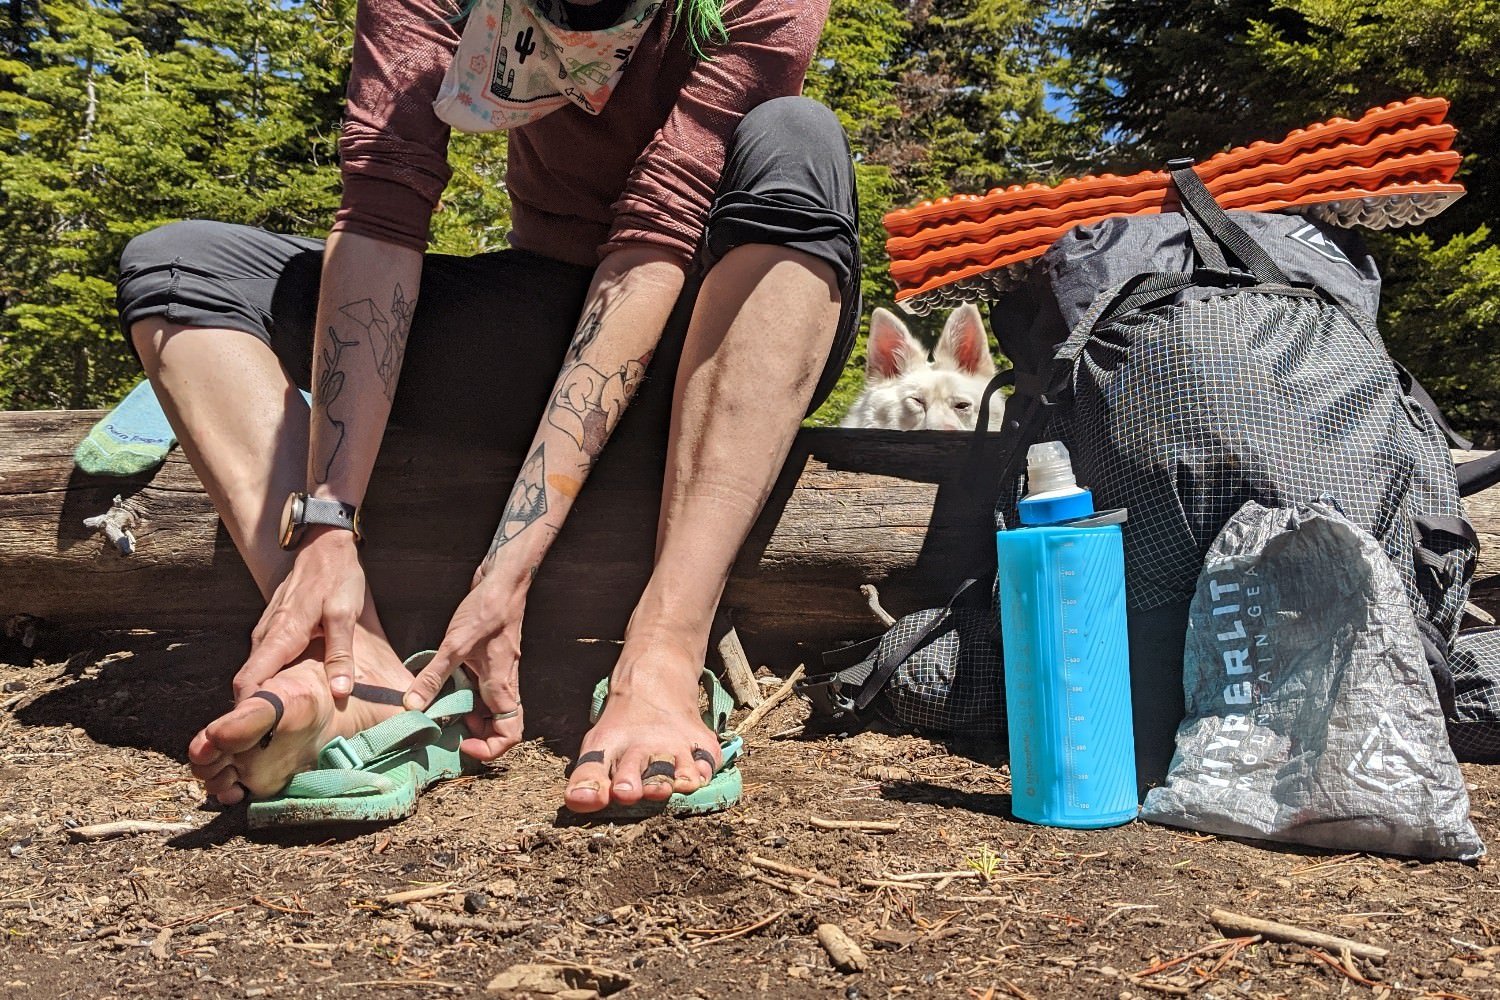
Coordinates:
[753,719]
[127,828]
[1238,923]
[737,672]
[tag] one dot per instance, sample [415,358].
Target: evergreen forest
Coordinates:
[119,115]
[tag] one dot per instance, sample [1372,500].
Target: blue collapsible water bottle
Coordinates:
[1067,659]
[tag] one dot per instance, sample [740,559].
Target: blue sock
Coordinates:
[132,438]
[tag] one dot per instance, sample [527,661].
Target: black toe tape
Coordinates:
[280,707]
[701,754]
[659,769]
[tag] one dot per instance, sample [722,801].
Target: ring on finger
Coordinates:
[502,716]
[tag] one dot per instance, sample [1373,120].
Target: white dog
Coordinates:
[904,391]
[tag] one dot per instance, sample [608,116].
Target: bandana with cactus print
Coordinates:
[518,60]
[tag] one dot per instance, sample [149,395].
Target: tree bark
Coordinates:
[851,507]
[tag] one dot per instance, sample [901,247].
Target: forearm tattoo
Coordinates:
[386,336]
[527,503]
[328,390]
[588,404]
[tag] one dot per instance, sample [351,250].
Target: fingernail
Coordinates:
[342,685]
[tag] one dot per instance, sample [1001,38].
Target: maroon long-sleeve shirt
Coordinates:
[644,170]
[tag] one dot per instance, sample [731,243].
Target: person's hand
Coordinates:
[484,635]
[323,596]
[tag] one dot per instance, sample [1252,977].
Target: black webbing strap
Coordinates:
[867,678]
[1199,202]
[1414,389]
[1427,555]
[1478,474]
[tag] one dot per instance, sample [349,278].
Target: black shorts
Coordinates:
[489,332]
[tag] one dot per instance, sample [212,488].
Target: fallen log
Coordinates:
[850,508]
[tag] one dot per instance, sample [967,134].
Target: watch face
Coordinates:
[291,519]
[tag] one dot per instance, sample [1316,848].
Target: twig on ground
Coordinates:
[717,934]
[1167,988]
[792,871]
[776,699]
[872,597]
[842,950]
[737,672]
[416,895]
[863,825]
[455,923]
[932,876]
[1015,990]
[436,984]
[127,828]
[1345,968]
[1239,923]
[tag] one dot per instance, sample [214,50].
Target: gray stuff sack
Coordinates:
[1312,716]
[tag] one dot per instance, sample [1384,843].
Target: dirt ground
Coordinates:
[676,908]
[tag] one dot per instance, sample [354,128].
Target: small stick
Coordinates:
[1015,990]
[737,672]
[436,984]
[1238,923]
[1167,988]
[792,871]
[454,923]
[933,876]
[415,895]
[760,711]
[842,950]
[872,597]
[865,825]
[127,828]
[1346,969]
[713,934]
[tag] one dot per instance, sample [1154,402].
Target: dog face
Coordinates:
[907,391]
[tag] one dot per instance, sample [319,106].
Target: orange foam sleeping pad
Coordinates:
[1393,166]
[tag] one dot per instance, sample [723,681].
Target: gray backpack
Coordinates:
[1193,362]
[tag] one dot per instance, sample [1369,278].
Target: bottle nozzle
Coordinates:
[1049,468]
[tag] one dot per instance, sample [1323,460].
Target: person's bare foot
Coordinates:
[227,755]
[650,740]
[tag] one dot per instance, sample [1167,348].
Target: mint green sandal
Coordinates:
[376,775]
[721,792]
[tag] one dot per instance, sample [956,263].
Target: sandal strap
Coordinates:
[336,783]
[394,734]
[715,717]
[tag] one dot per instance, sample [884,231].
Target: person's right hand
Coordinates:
[323,595]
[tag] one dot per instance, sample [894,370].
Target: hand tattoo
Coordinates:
[588,404]
[330,386]
[527,503]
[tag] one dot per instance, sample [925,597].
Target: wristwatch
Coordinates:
[302,510]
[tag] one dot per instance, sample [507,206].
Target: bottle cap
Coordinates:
[1053,494]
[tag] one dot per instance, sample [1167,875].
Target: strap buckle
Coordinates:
[340,754]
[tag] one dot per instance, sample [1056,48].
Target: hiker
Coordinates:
[697,234]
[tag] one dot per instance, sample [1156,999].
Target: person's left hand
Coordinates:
[484,635]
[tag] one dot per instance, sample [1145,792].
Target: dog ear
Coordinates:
[964,344]
[892,349]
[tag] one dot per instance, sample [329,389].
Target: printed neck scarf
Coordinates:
[517,62]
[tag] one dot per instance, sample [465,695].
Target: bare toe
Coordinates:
[625,778]
[589,783]
[225,786]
